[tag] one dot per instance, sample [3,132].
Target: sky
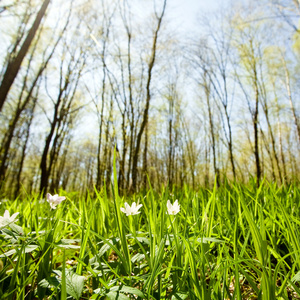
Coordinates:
[180,14]
[184,12]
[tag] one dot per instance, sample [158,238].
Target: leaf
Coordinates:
[100,292]
[104,249]
[49,282]
[133,291]
[178,296]
[116,295]
[8,253]
[296,277]
[10,235]
[17,229]
[205,240]
[28,249]
[74,282]
[137,257]
[127,289]
[95,296]
[68,246]
[70,241]
[143,240]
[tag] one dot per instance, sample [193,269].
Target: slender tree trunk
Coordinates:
[107,149]
[255,127]
[68,83]
[23,105]
[256,144]
[212,132]
[273,142]
[206,176]
[24,148]
[99,164]
[288,89]
[183,172]
[171,142]
[265,108]
[266,143]
[131,104]
[14,65]
[145,157]
[280,142]
[45,172]
[148,98]
[191,156]
[44,166]
[121,179]
[4,150]
[170,155]
[230,144]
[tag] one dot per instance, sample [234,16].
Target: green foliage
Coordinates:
[234,242]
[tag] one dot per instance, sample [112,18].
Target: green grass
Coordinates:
[234,242]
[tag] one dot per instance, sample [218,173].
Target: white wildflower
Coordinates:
[7,219]
[54,200]
[173,209]
[131,210]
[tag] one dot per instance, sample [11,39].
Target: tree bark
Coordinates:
[13,66]
[145,159]
[255,129]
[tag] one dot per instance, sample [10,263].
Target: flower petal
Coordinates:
[14,216]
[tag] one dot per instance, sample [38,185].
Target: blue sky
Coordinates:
[184,12]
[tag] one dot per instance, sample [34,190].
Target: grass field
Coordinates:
[234,242]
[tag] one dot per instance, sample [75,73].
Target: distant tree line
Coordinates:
[80,80]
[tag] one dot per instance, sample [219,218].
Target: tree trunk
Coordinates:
[13,66]
[21,163]
[211,127]
[99,164]
[45,172]
[145,158]
[255,129]
[45,168]
[148,98]
[288,89]
[4,150]
[280,142]
[230,144]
